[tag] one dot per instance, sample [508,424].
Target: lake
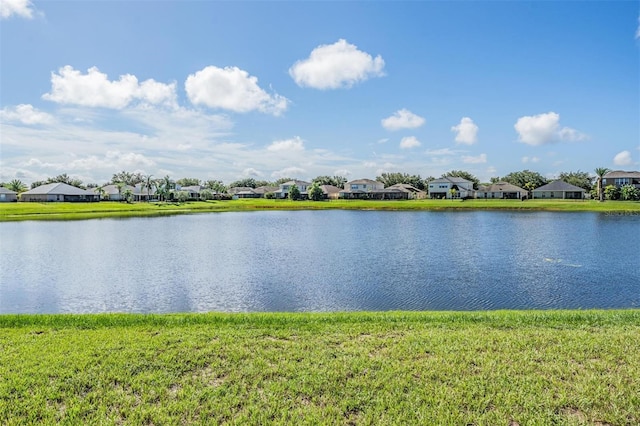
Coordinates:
[322,261]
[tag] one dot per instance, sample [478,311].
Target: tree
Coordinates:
[216,186]
[63,178]
[464,175]
[244,183]
[282,180]
[127,194]
[102,193]
[612,192]
[294,193]
[37,183]
[182,196]
[525,176]
[188,182]
[165,186]
[337,181]
[389,179]
[148,183]
[131,179]
[315,192]
[600,172]
[580,179]
[629,193]
[16,185]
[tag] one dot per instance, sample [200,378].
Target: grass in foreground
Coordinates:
[491,368]
[65,211]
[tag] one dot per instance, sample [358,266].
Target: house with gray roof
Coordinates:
[113,192]
[283,191]
[451,187]
[501,190]
[360,188]
[59,191]
[7,195]
[399,191]
[620,178]
[559,190]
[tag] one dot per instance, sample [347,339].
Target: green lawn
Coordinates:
[63,211]
[480,368]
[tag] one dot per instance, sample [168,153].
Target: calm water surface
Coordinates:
[322,261]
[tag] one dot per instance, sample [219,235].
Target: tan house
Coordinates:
[620,178]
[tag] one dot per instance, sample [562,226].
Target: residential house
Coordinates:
[330,192]
[619,178]
[283,192]
[113,192]
[451,187]
[501,190]
[193,191]
[142,193]
[360,188]
[59,191]
[559,189]
[262,190]
[399,191]
[7,195]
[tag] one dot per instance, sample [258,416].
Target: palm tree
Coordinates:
[165,185]
[102,193]
[600,172]
[148,183]
[16,185]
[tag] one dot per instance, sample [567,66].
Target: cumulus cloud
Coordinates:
[467,159]
[466,131]
[545,128]
[21,8]
[342,172]
[26,114]
[623,158]
[409,142]
[291,172]
[293,144]
[251,172]
[232,89]
[335,66]
[402,119]
[94,89]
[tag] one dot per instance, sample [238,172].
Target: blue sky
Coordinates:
[226,90]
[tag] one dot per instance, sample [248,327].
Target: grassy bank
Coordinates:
[65,211]
[490,368]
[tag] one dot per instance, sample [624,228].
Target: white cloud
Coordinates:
[530,159]
[232,89]
[442,151]
[26,114]
[638,30]
[402,119]
[342,172]
[334,66]
[409,142]
[288,172]
[623,158]
[22,8]
[293,144]
[545,128]
[466,131]
[93,89]
[467,159]
[251,172]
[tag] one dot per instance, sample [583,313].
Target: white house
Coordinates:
[501,190]
[451,187]
[283,192]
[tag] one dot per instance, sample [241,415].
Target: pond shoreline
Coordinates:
[111,209]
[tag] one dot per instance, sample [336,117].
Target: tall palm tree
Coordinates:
[16,185]
[148,183]
[600,172]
